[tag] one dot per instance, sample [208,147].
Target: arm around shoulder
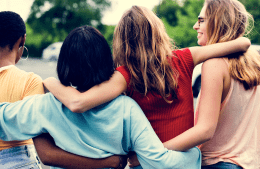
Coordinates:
[209,107]
[203,53]
[20,120]
[52,155]
[80,102]
[150,150]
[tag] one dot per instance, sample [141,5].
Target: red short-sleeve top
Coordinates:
[169,120]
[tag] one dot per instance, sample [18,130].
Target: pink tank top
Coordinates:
[237,136]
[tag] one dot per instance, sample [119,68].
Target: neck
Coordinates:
[7,58]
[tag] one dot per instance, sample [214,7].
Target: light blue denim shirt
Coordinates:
[116,127]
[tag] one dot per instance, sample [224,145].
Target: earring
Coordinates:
[24,47]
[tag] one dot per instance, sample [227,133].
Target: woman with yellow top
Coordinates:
[15,84]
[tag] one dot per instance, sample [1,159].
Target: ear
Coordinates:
[23,38]
[20,50]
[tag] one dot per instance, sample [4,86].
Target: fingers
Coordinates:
[133,161]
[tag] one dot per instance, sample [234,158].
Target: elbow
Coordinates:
[248,44]
[75,106]
[208,134]
[207,138]
[50,159]
[75,109]
[46,159]
[204,133]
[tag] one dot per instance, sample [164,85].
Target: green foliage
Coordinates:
[179,19]
[253,7]
[47,26]
[54,24]
[108,34]
[35,42]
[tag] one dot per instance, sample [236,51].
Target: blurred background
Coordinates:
[48,22]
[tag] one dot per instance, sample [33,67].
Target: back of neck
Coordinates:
[7,58]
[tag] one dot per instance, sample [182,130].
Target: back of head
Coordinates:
[142,45]
[228,20]
[12,27]
[85,59]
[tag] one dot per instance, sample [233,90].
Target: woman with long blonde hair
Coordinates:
[152,71]
[228,111]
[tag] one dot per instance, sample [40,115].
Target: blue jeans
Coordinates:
[20,157]
[222,165]
[65,168]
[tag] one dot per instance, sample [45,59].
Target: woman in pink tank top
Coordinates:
[228,112]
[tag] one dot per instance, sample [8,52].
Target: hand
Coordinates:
[132,160]
[122,162]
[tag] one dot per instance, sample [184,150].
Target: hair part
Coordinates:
[142,45]
[228,20]
[11,29]
[85,59]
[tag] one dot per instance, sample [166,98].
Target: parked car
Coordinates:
[196,83]
[257,47]
[51,53]
[196,80]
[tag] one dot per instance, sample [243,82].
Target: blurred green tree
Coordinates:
[108,33]
[253,7]
[180,16]
[51,20]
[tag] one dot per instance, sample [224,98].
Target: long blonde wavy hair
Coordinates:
[142,45]
[228,20]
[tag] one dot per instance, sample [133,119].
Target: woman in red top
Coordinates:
[155,74]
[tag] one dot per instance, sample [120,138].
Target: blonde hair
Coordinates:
[142,45]
[228,20]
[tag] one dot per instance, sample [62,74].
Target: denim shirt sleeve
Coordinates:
[150,150]
[22,120]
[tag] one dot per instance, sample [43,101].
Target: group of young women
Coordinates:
[97,122]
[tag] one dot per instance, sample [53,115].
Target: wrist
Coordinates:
[113,161]
[120,165]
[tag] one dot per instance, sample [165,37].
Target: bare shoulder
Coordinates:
[216,67]
[215,64]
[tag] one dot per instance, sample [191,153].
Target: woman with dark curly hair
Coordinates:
[15,84]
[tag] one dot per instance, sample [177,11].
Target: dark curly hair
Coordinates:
[85,59]
[12,27]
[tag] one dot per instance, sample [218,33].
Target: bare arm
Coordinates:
[52,155]
[209,108]
[97,95]
[203,53]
